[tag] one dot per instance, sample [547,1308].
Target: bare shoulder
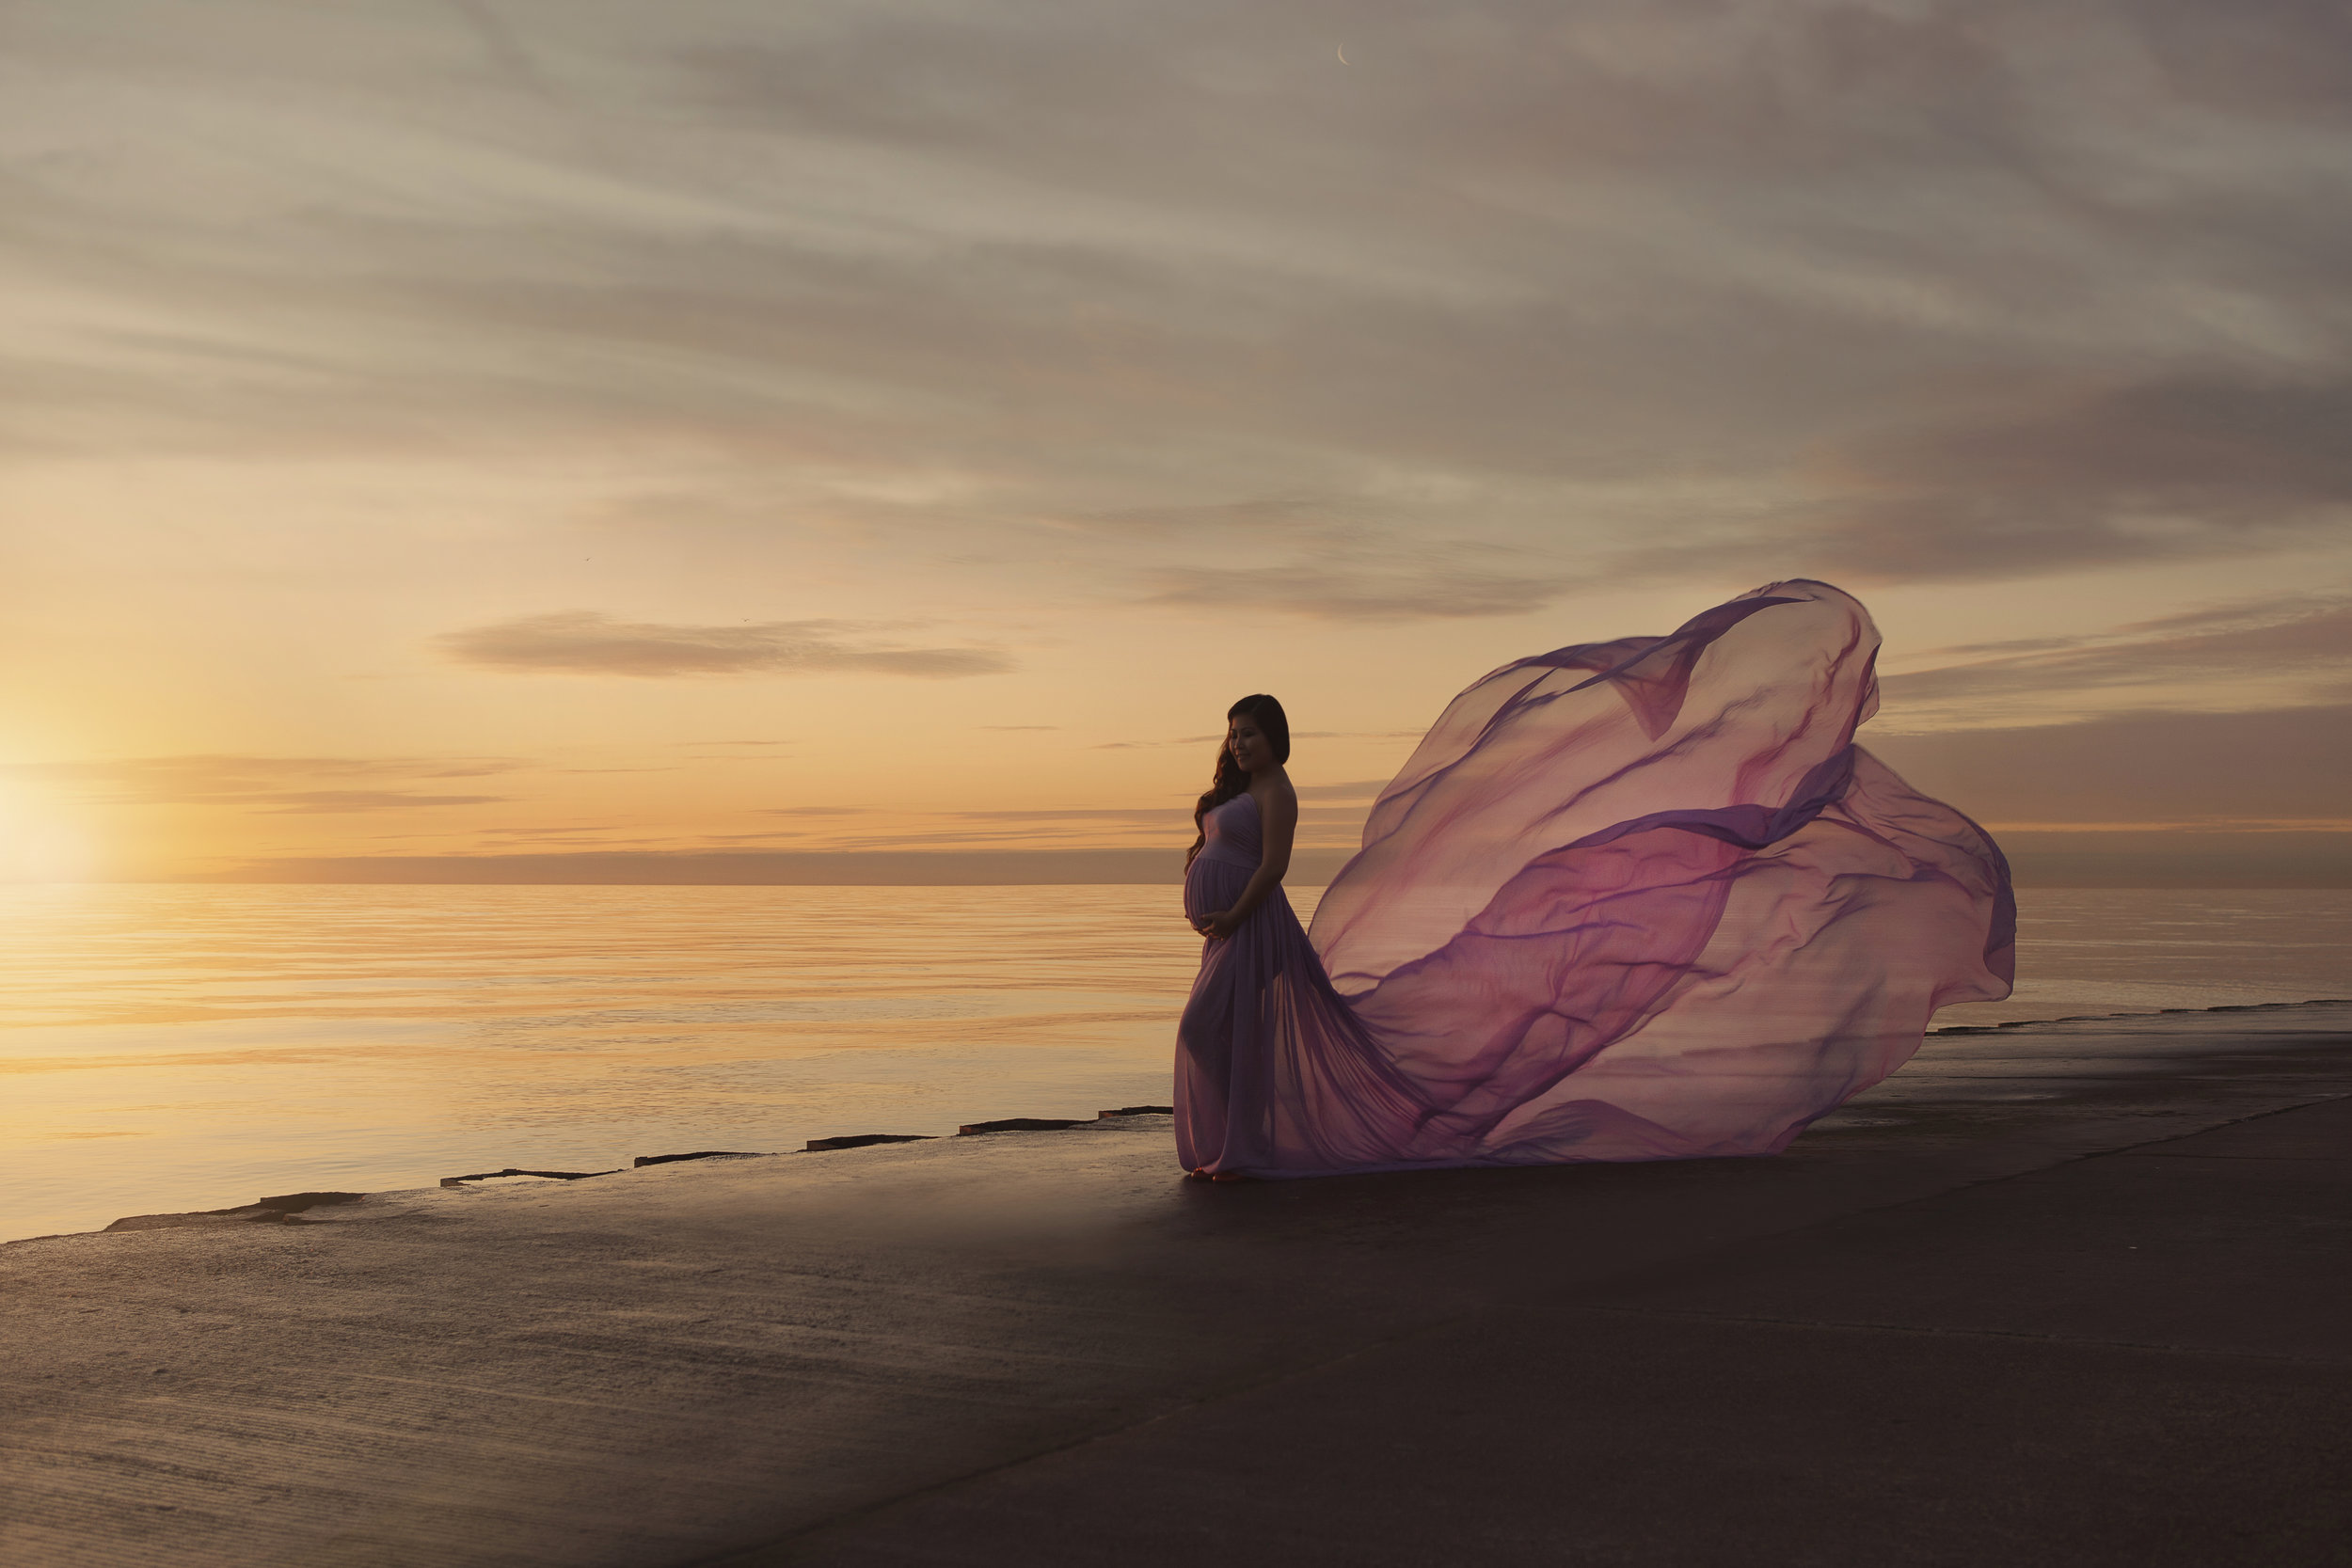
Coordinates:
[1275,792]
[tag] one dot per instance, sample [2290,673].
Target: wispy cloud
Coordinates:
[1362,593]
[1333,815]
[1362,789]
[2296,649]
[2177,469]
[1087,813]
[262,784]
[1961,254]
[1074,328]
[1296,735]
[2281,768]
[340,802]
[1148,745]
[588,643]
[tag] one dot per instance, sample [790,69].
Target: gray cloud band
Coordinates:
[1959,292]
[584,643]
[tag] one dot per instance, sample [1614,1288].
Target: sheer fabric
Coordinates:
[1631,900]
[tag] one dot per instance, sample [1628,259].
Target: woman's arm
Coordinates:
[1277,817]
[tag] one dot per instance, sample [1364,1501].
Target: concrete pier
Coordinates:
[2067,1293]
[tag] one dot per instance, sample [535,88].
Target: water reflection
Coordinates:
[193,1047]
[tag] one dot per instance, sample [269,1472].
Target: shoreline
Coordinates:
[291,1208]
[377,1046]
[2060,1295]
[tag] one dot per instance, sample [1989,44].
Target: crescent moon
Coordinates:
[1343,54]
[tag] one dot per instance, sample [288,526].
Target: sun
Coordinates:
[38,846]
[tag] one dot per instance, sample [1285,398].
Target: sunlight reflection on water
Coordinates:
[167,1048]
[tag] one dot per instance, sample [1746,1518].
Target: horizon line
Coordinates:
[2082,857]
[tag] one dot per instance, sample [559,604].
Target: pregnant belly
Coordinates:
[1213,885]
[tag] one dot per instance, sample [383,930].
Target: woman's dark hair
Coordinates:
[1229,780]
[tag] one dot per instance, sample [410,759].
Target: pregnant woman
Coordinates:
[1633,900]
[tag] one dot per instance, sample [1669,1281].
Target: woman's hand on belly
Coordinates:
[1217,927]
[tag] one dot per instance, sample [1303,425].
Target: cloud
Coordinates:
[2290,649]
[1143,745]
[2179,469]
[1514,239]
[1071,814]
[585,643]
[342,801]
[2287,60]
[260,784]
[2223,446]
[1027,814]
[994,305]
[1296,735]
[1362,789]
[1091,813]
[501,48]
[863,829]
[969,828]
[954,836]
[2168,860]
[1163,864]
[1339,594]
[2282,768]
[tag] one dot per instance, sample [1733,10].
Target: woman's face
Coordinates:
[1248,744]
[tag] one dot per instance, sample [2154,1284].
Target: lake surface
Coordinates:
[169,1048]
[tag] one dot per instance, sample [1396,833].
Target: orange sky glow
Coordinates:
[486,435]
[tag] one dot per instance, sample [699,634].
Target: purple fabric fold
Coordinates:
[1639,899]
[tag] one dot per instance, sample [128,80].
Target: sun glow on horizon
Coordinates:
[37,846]
[683,431]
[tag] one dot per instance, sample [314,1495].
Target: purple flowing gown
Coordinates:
[1631,900]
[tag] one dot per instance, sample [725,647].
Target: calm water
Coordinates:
[171,1048]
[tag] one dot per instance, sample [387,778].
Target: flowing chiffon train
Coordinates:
[1633,900]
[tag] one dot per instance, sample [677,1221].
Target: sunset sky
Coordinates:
[437,437]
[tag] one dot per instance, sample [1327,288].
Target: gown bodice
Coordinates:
[1235,837]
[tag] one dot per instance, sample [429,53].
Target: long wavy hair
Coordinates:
[1229,779]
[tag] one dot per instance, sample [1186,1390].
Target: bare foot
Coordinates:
[1228,1176]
